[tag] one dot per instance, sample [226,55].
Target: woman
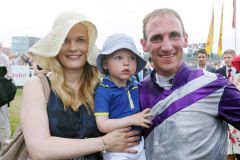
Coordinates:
[5,130]
[65,128]
[234,134]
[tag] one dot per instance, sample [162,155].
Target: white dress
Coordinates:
[233,133]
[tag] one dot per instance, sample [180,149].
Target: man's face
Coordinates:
[202,59]
[227,58]
[165,42]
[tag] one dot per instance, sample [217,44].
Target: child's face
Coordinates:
[121,65]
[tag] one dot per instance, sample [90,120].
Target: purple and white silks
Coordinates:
[189,118]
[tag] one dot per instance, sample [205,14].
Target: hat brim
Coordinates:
[140,61]
[50,45]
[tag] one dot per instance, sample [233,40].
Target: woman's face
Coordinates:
[73,53]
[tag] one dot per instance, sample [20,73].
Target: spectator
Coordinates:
[227,70]
[202,61]
[5,130]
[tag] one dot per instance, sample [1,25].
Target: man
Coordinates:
[202,61]
[5,130]
[227,70]
[188,105]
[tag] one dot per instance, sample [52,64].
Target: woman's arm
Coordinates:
[106,125]
[41,145]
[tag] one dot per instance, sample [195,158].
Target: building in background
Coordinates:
[21,44]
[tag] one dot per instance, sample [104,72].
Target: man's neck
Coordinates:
[202,66]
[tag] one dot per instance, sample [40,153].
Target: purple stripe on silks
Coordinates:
[229,105]
[151,92]
[184,102]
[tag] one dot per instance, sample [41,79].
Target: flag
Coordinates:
[234,14]
[210,35]
[220,35]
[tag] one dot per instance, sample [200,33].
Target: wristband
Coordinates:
[103,146]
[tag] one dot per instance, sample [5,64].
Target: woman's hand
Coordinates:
[121,139]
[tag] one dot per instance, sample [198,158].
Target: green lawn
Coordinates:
[14,110]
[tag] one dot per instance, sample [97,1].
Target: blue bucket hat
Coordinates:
[116,42]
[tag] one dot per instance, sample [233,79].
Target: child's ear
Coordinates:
[104,65]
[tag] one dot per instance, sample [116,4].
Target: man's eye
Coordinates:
[175,35]
[156,38]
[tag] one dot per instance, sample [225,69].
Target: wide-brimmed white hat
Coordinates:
[116,42]
[50,45]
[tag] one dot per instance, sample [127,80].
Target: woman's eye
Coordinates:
[66,41]
[81,40]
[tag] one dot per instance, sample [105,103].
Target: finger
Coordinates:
[147,122]
[147,110]
[132,133]
[145,125]
[133,139]
[130,151]
[123,130]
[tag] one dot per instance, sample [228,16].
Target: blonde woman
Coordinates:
[65,128]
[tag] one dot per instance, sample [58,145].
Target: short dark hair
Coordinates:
[202,51]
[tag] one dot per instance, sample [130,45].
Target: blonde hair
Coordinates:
[88,81]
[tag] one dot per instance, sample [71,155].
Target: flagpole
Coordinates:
[210,37]
[219,52]
[235,22]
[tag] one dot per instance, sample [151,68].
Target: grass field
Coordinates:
[14,110]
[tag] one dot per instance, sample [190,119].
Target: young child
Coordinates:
[116,98]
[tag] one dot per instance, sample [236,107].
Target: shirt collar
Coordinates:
[110,83]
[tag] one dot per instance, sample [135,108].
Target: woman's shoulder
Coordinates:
[33,84]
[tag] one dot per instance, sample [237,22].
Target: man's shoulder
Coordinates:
[146,80]
[220,69]
[211,68]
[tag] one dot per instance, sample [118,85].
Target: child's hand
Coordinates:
[141,118]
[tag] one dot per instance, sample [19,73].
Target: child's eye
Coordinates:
[133,58]
[118,58]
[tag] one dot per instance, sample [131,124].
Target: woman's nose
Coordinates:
[73,46]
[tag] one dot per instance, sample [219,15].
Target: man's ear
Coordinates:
[185,45]
[144,45]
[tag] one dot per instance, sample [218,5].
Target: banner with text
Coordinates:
[20,74]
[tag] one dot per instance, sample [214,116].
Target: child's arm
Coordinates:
[106,125]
